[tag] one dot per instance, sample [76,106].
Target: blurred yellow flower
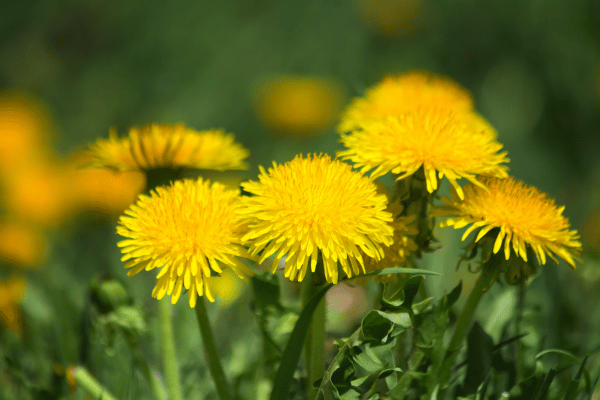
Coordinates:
[315,204]
[228,288]
[155,146]
[12,292]
[25,130]
[298,104]
[441,141]
[102,189]
[521,214]
[22,245]
[398,94]
[41,194]
[190,230]
[391,17]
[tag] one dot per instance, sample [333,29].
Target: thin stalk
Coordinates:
[314,345]
[487,277]
[155,384]
[168,350]
[89,383]
[210,351]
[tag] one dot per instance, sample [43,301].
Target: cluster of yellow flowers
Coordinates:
[317,210]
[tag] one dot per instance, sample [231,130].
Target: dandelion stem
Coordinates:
[89,383]
[168,347]
[210,351]
[314,346]
[487,277]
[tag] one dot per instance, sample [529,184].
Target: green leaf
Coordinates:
[380,326]
[480,348]
[574,384]
[453,296]
[572,357]
[293,349]
[404,296]
[392,271]
[543,392]
[374,357]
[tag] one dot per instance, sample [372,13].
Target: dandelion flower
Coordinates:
[190,231]
[442,141]
[21,244]
[523,215]
[311,205]
[398,94]
[155,146]
[397,255]
[298,104]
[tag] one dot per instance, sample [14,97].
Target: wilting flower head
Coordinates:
[523,215]
[315,204]
[442,141]
[397,255]
[190,230]
[398,94]
[155,146]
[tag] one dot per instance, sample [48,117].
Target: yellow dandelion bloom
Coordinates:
[311,205]
[442,141]
[227,288]
[22,245]
[298,104]
[155,146]
[524,215]
[103,190]
[398,94]
[25,129]
[396,255]
[190,230]
[40,193]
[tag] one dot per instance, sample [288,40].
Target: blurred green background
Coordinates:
[277,74]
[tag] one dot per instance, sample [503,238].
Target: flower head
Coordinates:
[311,205]
[22,245]
[442,141]
[397,255]
[188,229]
[398,94]
[154,146]
[523,215]
[298,104]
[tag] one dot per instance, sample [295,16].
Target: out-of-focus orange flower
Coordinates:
[298,104]
[22,245]
[25,130]
[41,194]
[103,190]
[391,17]
[11,293]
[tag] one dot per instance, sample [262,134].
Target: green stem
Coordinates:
[210,351]
[314,345]
[155,384]
[168,349]
[487,277]
[89,383]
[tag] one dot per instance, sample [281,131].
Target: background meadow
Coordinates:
[277,75]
